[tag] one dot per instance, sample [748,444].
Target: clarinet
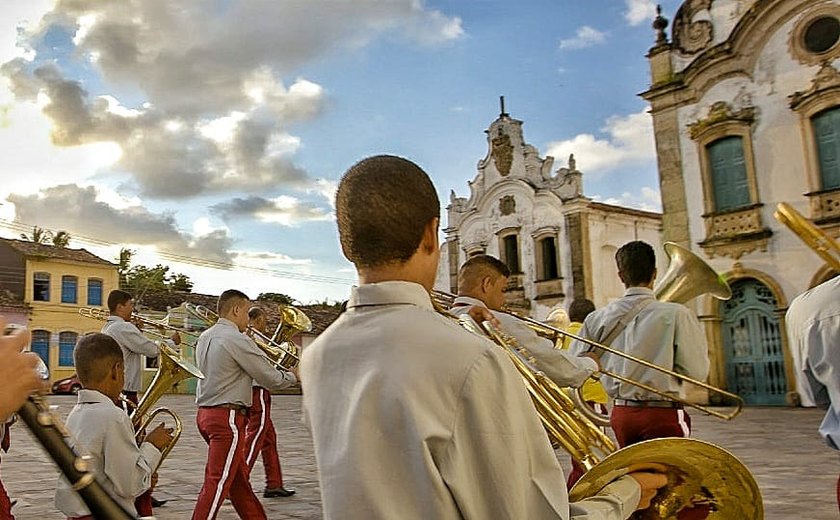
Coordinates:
[52,435]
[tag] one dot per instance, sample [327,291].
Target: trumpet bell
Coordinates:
[292,321]
[700,475]
[687,277]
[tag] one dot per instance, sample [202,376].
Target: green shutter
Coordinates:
[828,146]
[729,173]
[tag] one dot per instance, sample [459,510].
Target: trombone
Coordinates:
[279,348]
[814,237]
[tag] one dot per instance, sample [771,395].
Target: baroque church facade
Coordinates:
[745,100]
[558,243]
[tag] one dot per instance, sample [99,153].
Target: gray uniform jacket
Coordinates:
[666,334]
[134,345]
[415,418]
[562,367]
[813,323]
[104,431]
[231,362]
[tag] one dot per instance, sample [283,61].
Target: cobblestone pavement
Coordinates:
[796,472]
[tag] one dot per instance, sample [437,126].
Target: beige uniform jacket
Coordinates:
[415,418]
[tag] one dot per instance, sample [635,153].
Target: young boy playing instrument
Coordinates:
[103,430]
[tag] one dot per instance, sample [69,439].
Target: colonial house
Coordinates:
[558,243]
[745,100]
[53,283]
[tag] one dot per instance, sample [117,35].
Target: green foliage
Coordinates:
[276,298]
[141,278]
[61,239]
[44,236]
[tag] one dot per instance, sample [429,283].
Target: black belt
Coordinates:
[228,406]
[647,404]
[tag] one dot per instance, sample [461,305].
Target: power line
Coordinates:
[191,260]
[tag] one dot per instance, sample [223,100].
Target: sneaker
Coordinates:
[278,492]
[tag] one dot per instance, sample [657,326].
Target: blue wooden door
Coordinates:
[752,343]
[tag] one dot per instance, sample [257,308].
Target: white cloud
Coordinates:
[284,210]
[325,188]
[629,141]
[584,37]
[264,259]
[26,16]
[647,199]
[639,11]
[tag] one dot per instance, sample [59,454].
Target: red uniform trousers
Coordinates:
[5,502]
[577,469]
[143,503]
[226,473]
[633,424]
[260,437]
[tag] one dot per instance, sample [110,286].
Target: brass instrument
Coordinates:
[813,236]
[171,370]
[95,313]
[564,425]
[699,474]
[280,349]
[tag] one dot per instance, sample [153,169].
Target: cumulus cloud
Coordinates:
[639,11]
[584,37]
[283,210]
[647,199]
[211,108]
[80,211]
[262,259]
[628,142]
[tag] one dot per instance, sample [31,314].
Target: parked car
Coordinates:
[68,385]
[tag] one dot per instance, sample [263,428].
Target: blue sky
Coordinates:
[216,131]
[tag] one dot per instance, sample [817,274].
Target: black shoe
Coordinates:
[278,492]
[158,503]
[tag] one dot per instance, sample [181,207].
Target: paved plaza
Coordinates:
[796,472]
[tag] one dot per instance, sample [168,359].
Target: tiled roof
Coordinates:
[10,300]
[60,253]
[321,315]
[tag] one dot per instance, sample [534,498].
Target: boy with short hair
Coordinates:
[104,431]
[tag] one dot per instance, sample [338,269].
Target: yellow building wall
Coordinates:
[56,317]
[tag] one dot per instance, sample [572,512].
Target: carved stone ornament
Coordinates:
[507,205]
[502,153]
[827,78]
[721,112]
[691,37]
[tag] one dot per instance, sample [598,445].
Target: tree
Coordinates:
[124,266]
[180,282]
[276,298]
[39,235]
[61,239]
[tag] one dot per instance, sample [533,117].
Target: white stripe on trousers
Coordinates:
[683,423]
[263,414]
[226,471]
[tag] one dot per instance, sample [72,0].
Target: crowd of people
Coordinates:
[412,416]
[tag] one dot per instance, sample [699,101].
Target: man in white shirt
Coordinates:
[231,362]
[482,281]
[813,324]
[103,431]
[413,417]
[665,334]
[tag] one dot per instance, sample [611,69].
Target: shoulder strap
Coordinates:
[619,327]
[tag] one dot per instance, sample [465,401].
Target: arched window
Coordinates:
[69,289]
[826,126]
[41,345]
[41,287]
[66,344]
[94,291]
[728,169]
